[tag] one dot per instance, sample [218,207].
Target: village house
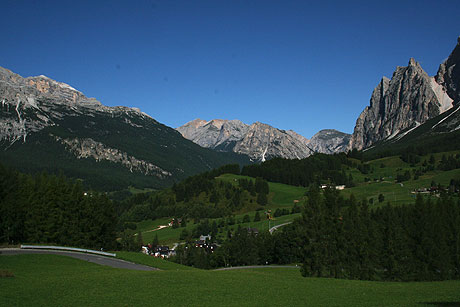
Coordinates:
[253,231]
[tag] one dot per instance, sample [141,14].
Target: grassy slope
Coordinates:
[46,280]
[281,196]
[392,191]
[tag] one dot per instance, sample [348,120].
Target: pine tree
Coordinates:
[262,199]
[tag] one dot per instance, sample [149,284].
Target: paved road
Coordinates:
[113,262]
[258,267]
[278,226]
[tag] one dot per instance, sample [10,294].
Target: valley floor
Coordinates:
[58,280]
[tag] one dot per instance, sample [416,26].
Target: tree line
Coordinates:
[314,169]
[52,209]
[344,238]
[197,197]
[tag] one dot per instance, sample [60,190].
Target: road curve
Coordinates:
[271,230]
[112,262]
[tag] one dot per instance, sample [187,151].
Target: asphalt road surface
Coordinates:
[112,262]
[278,226]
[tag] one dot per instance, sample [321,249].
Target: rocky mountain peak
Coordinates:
[45,124]
[329,141]
[412,62]
[409,99]
[449,74]
[260,141]
[217,123]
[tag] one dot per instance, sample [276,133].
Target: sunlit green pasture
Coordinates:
[51,280]
[281,195]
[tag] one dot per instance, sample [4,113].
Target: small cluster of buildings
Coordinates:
[161,251]
[432,190]
[204,242]
[337,187]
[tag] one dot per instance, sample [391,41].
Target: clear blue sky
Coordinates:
[301,65]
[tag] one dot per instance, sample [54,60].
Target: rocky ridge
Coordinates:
[261,141]
[49,125]
[33,103]
[406,101]
[449,74]
[329,141]
[89,148]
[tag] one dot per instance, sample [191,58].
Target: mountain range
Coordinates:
[261,141]
[407,100]
[48,125]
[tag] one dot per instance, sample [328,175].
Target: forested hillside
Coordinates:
[197,197]
[314,169]
[53,209]
[337,234]
[343,238]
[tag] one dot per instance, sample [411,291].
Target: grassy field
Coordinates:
[51,280]
[281,195]
[382,180]
[151,261]
[169,235]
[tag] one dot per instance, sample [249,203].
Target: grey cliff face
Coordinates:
[29,105]
[449,74]
[261,141]
[329,141]
[258,141]
[409,99]
[216,134]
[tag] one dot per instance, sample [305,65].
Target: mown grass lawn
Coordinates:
[51,280]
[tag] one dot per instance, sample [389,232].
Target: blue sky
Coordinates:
[301,65]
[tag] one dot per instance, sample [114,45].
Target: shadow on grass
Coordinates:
[6,273]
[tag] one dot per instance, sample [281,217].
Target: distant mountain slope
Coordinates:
[329,141]
[409,99]
[261,141]
[48,125]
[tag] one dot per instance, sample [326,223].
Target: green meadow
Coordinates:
[281,195]
[51,280]
[382,180]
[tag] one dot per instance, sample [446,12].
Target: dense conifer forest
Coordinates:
[53,209]
[197,197]
[314,169]
[343,238]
